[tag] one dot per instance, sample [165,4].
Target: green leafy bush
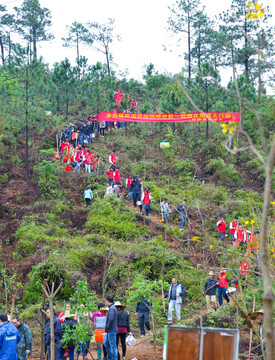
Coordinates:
[222,171]
[112,218]
[48,182]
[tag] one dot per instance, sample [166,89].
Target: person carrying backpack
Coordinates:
[88,195]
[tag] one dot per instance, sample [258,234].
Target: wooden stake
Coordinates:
[251,333]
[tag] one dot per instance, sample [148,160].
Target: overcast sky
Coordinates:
[142,25]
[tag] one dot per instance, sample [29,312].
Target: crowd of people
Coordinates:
[240,236]
[112,318]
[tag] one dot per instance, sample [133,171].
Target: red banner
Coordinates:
[187,117]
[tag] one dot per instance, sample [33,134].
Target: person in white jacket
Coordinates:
[174,294]
[164,208]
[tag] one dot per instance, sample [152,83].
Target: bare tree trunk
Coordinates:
[42,347]
[26,121]
[268,296]
[2,51]
[51,295]
[34,43]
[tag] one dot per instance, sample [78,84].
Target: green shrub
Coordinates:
[223,172]
[26,246]
[109,217]
[48,182]
[51,271]
[4,178]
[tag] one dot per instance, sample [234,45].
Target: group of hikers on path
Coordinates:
[112,319]
[75,151]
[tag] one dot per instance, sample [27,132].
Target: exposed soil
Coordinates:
[142,350]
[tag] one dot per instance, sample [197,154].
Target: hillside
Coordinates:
[48,233]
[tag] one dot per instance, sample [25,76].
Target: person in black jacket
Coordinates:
[143,311]
[111,329]
[182,210]
[211,298]
[90,130]
[57,334]
[135,188]
[123,327]
[67,327]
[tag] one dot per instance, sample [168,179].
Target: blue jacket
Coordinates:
[9,337]
[81,138]
[57,331]
[69,133]
[208,284]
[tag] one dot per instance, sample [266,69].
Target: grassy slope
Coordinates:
[44,221]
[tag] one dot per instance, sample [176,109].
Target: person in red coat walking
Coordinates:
[116,176]
[112,158]
[129,181]
[241,236]
[147,200]
[221,228]
[233,226]
[223,285]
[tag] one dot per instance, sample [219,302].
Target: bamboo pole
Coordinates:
[251,333]
[204,292]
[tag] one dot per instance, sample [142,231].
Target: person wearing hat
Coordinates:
[221,228]
[233,226]
[99,322]
[67,327]
[24,347]
[9,338]
[259,315]
[210,288]
[123,328]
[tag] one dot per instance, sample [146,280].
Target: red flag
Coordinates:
[118,97]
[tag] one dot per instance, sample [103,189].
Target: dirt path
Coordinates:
[141,350]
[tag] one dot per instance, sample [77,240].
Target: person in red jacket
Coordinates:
[233,227]
[129,181]
[147,200]
[221,228]
[109,174]
[240,236]
[223,285]
[116,176]
[112,158]
[96,164]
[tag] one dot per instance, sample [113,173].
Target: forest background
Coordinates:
[43,218]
